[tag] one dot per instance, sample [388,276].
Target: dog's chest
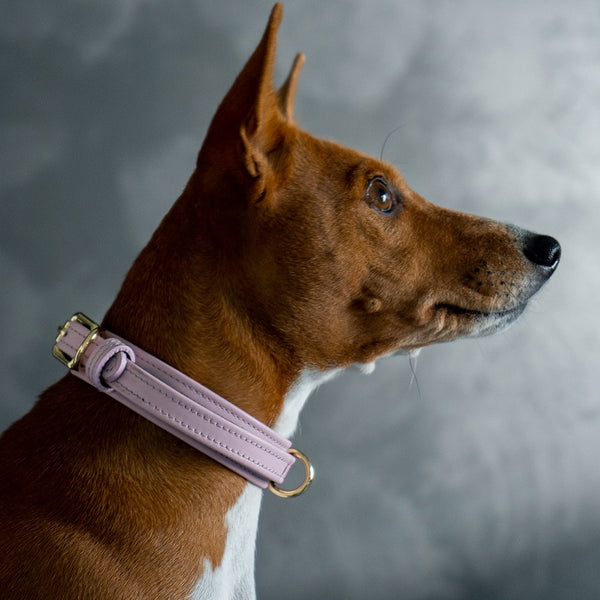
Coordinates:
[233,579]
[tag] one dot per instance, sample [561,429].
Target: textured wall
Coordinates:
[480,479]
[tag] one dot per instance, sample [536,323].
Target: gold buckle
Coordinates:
[309,474]
[73,363]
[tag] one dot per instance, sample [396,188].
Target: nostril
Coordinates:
[542,250]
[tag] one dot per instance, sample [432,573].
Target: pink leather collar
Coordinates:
[178,404]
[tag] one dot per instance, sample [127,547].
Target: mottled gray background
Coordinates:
[481,480]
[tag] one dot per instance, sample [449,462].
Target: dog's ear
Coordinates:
[261,130]
[287,91]
[251,119]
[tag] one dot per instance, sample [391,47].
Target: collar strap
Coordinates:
[178,404]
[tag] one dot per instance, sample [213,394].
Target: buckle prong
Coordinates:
[73,363]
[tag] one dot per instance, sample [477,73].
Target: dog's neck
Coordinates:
[196,328]
[234,576]
[188,318]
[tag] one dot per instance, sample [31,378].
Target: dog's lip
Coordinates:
[459,310]
[478,323]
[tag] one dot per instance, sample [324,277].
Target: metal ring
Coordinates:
[309,474]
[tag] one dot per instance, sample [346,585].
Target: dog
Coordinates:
[285,260]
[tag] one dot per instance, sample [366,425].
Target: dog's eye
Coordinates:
[379,196]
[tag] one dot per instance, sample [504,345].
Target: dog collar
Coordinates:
[179,405]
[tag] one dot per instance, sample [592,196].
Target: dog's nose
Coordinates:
[542,250]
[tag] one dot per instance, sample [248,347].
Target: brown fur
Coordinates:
[270,262]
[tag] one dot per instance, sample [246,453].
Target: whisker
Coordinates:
[412,361]
[387,137]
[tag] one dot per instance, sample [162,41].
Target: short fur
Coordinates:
[273,263]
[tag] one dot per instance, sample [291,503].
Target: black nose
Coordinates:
[542,250]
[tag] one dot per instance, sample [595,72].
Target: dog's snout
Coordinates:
[542,250]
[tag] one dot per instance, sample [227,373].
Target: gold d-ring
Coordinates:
[309,474]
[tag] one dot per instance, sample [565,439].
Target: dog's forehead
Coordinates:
[367,168]
[349,165]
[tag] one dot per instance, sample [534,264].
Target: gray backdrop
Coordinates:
[478,480]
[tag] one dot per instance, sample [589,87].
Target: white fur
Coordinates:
[295,399]
[364,368]
[233,579]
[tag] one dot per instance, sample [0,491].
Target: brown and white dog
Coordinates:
[286,259]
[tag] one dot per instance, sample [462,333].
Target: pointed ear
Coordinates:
[249,117]
[287,91]
[257,76]
[260,130]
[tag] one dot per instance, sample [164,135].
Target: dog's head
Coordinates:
[328,252]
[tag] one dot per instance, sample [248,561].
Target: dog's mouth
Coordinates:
[480,323]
